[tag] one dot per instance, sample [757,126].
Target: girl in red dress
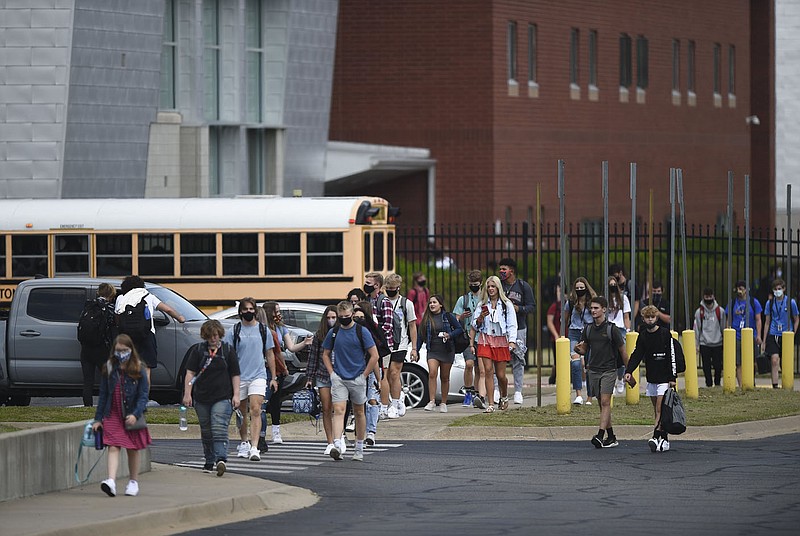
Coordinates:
[124,391]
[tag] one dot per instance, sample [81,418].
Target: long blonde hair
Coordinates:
[501,295]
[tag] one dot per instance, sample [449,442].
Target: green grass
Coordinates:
[58,414]
[713,407]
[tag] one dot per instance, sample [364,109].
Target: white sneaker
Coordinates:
[132,489]
[429,406]
[664,447]
[578,400]
[443,408]
[518,397]
[619,387]
[109,487]
[383,413]
[328,449]
[276,437]
[343,444]
[351,424]
[243,450]
[654,443]
[335,453]
[358,456]
[401,407]
[255,456]
[370,441]
[392,412]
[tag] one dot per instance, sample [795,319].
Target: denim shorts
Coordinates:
[656,389]
[322,384]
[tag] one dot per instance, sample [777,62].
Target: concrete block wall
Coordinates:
[41,460]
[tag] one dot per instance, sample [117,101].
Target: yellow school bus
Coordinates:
[210,250]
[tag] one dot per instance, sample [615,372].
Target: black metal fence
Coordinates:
[447,255]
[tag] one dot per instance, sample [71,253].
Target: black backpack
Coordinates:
[94,324]
[135,322]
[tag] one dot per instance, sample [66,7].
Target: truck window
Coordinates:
[56,304]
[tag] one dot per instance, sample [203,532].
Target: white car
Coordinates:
[414,377]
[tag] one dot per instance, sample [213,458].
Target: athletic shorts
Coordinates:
[398,356]
[253,387]
[355,390]
[148,351]
[655,389]
[469,355]
[756,351]
[601,382]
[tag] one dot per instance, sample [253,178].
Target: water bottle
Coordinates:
[182,424]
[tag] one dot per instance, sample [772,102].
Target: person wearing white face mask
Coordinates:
[782,315]
[123,397]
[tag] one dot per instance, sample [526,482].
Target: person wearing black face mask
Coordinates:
[419,295]
[465,306]
[392,397]
[709,321]
[659,300]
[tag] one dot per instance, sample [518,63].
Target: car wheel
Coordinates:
[414,383]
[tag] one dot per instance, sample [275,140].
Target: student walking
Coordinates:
[318,375]
[709,321]
[437,329]
[124,392]
[520,294]
[579,316]
[744,312]
[782,315]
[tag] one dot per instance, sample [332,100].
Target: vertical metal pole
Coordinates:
[672,248]
[730,236]
[632,274]
[683,249]
[746,253]
[563,238]
[650,254]
[605,228]
[789,226]
[539,294]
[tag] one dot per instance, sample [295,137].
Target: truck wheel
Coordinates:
[19,400]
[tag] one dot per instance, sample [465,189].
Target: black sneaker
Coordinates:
[597,442]
[262,444]
[208,467]
[609,442]
[478,402]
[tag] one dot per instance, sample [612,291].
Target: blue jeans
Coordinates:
[576,374]
[373,411]
[214,419]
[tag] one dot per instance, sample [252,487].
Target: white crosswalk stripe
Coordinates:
[285,458]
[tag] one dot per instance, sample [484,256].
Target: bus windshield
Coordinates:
[178,302]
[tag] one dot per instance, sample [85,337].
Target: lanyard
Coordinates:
[212,352]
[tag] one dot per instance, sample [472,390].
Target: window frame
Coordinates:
[574,56]
[532,46]
[511,52]
[101,253]
[625,61]
[642,62]
[593,58]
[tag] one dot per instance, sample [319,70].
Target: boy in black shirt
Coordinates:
[654,346]
[607,354]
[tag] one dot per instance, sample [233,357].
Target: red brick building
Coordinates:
[499,90]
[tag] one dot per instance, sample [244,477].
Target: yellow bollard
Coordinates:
[787,360]
[748,383]
[690,353]
[632,393]
[563,406]
[728,360]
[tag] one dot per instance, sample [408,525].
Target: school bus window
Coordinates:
[2,256]
[390,251]
[198,254]
[325,253]
[240,254]
[114,255]
[156,253]
[367,253]
[282,255]
[377,253]
[28,255]
[71,254]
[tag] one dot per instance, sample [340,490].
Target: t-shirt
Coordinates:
[580,317]
[617,316]
[520,294]
[214,383]
[472,301]
[555,311]
[410,316]
[602,355]
[738,316]
[250,351]
[350,359]
[779,318]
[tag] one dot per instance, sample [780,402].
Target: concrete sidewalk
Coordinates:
[174,499]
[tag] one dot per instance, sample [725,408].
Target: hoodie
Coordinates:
[707,328]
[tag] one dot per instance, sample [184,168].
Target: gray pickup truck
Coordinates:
[40,353]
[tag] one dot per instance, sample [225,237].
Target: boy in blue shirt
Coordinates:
[739,318]
[782,316]
[356,356]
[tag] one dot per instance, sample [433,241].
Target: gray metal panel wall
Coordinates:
[113,96]
[309,76]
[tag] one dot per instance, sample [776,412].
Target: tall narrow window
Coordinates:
[512,51]
[214,166]
[255,59]
[642,62]
[676,65]
[717,69]
[255,161]
[731,70]
[690,68]
[593,58]
[531,53]
[211,50]
[625,63]
[574,43]
[168,54]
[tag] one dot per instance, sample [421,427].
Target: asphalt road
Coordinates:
[520,487]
